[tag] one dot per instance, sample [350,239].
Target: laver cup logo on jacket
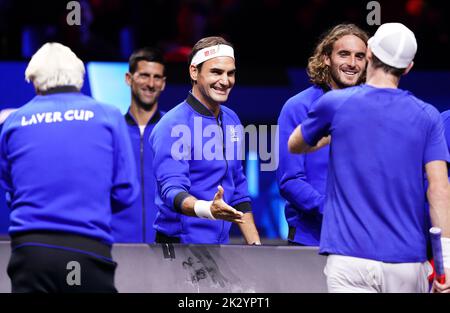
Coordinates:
[53,117]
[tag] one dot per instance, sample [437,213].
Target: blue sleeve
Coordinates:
[171,171]
[436,146]
[5,168]
[320,116]
[291,174]
[446,119]
[125,185]
[240,199]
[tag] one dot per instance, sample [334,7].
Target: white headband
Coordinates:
[212,52]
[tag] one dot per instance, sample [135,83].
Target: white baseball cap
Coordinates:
[394,44]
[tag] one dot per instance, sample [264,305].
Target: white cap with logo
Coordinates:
[394,44]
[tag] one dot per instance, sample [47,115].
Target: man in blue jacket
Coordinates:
[338,62]
[66,164]
[197,147]
[147,80]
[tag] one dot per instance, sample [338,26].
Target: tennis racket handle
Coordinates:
[435,235]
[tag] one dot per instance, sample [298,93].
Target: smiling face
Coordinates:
[146,83]
[214,81]
[347,61]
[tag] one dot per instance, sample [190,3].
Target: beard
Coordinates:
[145,105]
[336,76]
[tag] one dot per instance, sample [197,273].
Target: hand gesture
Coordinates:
[221,210]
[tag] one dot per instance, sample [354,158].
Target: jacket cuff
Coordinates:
[244,207]
[178,200]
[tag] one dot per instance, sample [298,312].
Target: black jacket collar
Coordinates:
[60,89]
[198,106]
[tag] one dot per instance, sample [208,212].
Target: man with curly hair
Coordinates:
[338,62]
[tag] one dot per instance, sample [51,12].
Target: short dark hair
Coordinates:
[204,43]
[145,54]
[377,63]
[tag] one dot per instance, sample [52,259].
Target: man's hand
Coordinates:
[442,288]
[249,231]
[297,143]
[324,141]
[221,210]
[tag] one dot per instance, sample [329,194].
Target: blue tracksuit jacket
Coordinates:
[302,178]
[66,162]
[194,153]
[136,223]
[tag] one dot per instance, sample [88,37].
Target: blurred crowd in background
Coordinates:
[264,32]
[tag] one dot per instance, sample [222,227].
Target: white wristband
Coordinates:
[445,242]
[202,209]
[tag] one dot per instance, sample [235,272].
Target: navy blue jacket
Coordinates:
[136,223]
[302,178]
[66,162]
[187,162]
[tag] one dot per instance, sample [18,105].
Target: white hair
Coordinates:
[55,65]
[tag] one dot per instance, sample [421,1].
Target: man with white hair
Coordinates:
[383,141]
[66,163]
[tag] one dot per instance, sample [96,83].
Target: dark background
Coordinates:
[273,40]
[264,32]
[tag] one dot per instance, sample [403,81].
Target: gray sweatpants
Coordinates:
[350,274]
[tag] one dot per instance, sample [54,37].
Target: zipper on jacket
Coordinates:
[142,185]
[220,124]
